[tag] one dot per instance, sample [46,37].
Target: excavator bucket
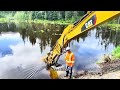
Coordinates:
[53,74]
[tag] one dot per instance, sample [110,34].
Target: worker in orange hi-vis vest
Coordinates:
[70,60]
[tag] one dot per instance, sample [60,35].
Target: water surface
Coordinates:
[23,45]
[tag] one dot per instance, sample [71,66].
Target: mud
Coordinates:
[110,66]
[106,68]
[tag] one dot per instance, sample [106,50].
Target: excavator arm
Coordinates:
[90,20]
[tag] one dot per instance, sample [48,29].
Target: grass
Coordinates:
[60,22]
[110,26]
[116,52]
[115,55]
[3,20]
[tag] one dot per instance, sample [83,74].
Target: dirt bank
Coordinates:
[109,70]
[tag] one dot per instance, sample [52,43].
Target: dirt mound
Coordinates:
[107,68]
[110,66]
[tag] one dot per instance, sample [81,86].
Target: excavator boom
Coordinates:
[90,20]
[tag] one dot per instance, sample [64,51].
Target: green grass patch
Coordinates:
[22,17]
[116,52]
[3,20]
[110,26]
[60,22]
[115,56]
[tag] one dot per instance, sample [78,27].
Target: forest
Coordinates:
[42,15]
[47,16]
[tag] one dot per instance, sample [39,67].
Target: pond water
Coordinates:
[22,45]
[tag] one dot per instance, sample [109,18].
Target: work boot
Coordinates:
[70,77]
[65,76]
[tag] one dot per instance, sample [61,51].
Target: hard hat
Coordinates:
[68,48]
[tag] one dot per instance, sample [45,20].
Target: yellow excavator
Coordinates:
[89,21]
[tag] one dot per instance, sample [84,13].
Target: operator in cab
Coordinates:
[70,60]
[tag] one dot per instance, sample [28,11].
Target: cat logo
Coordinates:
[89,23]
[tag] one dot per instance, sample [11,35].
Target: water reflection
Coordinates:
[91,45]
[24,47]
[105,36]
[7,39]
[47,34]
[22,54]
[35,40]
[6,27]
[108,36]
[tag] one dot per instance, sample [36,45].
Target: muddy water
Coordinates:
[23,45]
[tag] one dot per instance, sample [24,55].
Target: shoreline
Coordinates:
[109,70]
[109,26]
[60,22]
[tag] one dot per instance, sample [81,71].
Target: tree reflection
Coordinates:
[82,36]
[5,27]
[108,37]
[105,36]
[48,34]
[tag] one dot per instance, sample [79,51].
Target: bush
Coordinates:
[21,16]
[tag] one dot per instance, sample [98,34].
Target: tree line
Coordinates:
[48,15]
[42,15]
